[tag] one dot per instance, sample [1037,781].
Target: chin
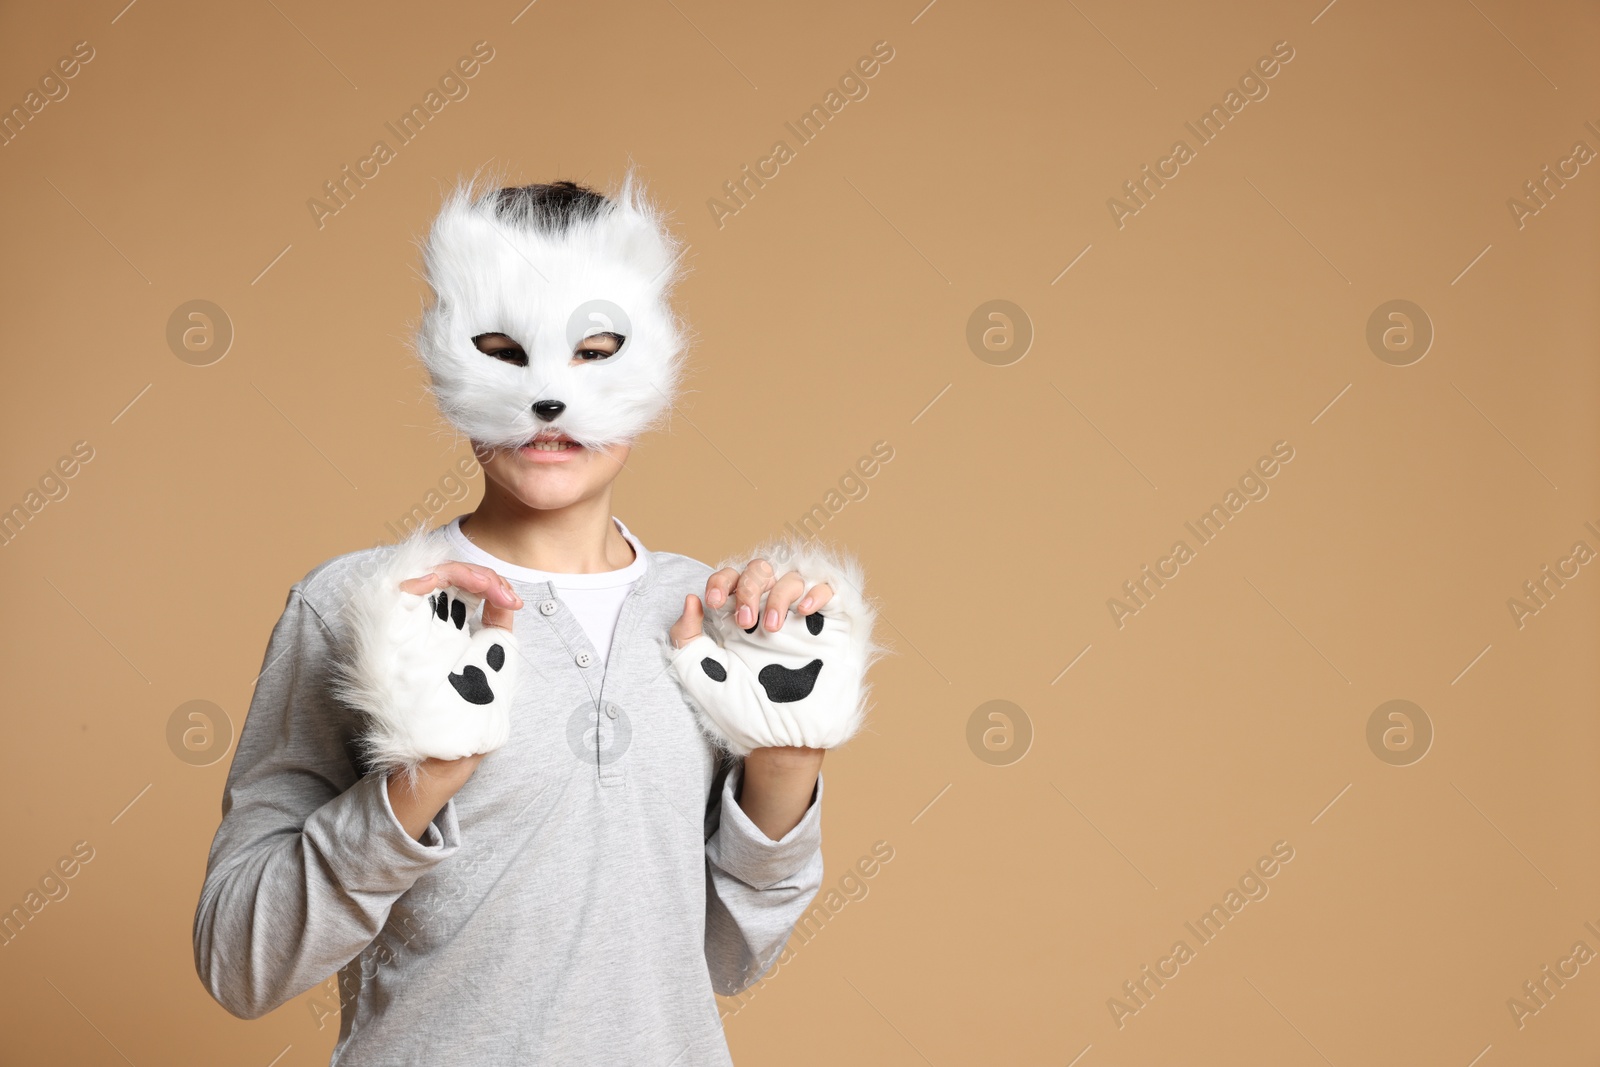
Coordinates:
[553,472]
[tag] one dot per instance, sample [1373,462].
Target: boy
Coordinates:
[545,832]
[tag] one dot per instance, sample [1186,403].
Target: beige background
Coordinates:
[1227,315]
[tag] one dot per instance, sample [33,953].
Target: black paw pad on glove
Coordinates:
[472,684]
[783,685]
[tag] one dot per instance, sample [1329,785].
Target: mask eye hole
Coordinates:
[814,623]
[501,347]
[598,346]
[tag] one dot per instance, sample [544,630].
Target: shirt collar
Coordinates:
[469,552]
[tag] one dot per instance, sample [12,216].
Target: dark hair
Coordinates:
[553,207]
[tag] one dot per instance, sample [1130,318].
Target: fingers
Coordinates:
[420,586]
[753,583]
[481,580]
[688,627]
[816,599]
[495,615]
[784,593]
[719,585]
[789,589]
[470,577]
[758,580]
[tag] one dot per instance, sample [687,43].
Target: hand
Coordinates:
[768,678]
[747,589]
[500,604]
[429,786]
[435,678]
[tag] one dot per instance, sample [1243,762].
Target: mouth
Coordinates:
[549,447]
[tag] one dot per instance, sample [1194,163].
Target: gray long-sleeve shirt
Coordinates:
[577,902]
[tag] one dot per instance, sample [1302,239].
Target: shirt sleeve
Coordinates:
[309,856]
[756,888]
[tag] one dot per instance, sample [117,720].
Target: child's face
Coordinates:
[551,470]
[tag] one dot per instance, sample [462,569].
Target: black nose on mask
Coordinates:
[548,409]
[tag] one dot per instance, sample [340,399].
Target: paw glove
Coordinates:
[432,680]
[803,685]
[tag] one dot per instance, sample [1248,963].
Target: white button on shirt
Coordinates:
[595,599]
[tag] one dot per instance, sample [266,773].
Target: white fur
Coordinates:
[493,276]
[398,660]
[736,713]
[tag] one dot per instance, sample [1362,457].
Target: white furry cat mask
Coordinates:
[547,266]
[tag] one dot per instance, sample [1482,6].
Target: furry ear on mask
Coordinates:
[548,266]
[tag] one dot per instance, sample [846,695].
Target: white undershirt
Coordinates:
[596,599]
